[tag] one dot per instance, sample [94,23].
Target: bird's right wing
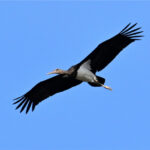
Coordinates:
[105,52]
[43,90]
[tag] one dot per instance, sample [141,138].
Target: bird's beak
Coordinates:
[53,72]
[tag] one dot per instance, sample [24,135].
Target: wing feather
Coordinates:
[105,52]
[43,90]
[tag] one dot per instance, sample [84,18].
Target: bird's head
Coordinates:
[57,71]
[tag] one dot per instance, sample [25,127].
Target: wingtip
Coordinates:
[22,102]
[33,107]
[125,27]
[130,32]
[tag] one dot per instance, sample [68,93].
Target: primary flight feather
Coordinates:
[84,71]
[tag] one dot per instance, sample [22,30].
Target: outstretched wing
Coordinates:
[43,90]
[108,50]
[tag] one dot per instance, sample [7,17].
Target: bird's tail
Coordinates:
[100,79]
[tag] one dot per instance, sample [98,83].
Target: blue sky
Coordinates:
[37,37]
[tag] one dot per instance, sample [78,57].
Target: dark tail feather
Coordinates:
[100,79]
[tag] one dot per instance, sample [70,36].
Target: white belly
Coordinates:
[84,74]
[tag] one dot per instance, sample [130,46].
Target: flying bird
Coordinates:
[84,71]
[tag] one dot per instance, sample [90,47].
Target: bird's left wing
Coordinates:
[108,50]
[43,90]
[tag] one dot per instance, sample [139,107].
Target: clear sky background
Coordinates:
[37,37]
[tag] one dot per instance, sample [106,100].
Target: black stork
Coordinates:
[84,71]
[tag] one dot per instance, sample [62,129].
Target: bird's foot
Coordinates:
[107,87]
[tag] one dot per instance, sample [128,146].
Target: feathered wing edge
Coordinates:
[23,101]
[43,90]
[131,33]
[106,51]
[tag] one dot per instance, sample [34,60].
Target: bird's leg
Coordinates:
[105,86]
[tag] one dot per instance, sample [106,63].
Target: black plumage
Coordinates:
[103,54]
[45,89]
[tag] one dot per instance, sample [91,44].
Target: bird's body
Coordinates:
[84,73]
[81,72]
